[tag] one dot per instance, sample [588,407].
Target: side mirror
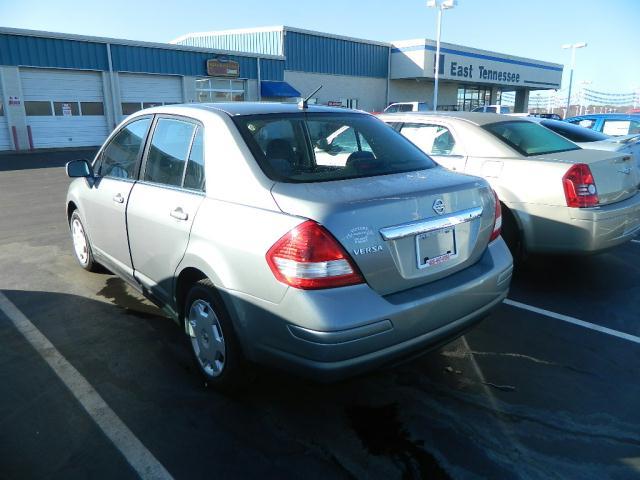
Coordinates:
[79,168]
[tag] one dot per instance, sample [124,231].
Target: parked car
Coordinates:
[614,124]
[230,217]
[556,197]
[492,109]
[407,107]
[587,138]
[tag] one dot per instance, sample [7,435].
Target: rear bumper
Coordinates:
[331,334]
[584,230]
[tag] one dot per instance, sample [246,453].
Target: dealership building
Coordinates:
[62,90]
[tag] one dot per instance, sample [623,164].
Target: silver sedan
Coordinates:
[556,197]
[316,239]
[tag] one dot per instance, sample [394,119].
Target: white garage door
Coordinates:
[5,137]
[139,91]
[64,108]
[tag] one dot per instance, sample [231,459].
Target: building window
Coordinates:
[92,108]
[66,109]
[131,107]
[219,90]
[470,97]
[38,109]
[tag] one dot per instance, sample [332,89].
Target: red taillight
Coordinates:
[308,257]
[497,219]
[579,187]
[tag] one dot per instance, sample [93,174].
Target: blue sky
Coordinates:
[529,28]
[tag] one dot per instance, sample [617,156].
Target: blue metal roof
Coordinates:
[52,52]
[271,69]
[127,58]
[312,53]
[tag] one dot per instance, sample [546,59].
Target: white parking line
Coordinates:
[136,454]
[574,321]
[635,241]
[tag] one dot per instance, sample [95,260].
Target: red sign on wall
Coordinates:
[223,68]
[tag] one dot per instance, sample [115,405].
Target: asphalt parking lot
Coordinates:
[526,394]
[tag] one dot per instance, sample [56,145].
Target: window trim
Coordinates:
[143,161]
[99,156]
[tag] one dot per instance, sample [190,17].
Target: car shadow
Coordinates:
[456,406]
[43,159]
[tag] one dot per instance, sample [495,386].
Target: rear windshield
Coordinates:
[317,147]
[574,133]
[529,138]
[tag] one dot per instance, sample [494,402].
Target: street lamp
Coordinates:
[573,47]
[441,5]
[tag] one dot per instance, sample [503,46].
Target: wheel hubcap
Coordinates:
[79,241]
[206,337]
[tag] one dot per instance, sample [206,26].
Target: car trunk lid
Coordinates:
[401,230]
[615,175]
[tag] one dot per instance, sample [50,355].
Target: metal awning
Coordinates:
[277,89]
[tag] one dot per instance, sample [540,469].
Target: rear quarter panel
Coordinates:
[229,242]
[531,189]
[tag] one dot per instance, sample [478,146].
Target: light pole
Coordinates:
[441,5]
[573,47]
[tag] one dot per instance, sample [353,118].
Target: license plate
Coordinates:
[435,248]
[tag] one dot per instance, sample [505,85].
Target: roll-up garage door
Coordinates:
[139,91]
[5,138]
[64,108]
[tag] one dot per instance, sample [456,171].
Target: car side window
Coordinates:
[120,156]
[431,139]
[620,127]
[405,108]
[168,151]
[194,177]
[392,109]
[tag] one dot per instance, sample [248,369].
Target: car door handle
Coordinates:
[118,198]
[179,214]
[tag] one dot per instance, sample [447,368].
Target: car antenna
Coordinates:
[304,103]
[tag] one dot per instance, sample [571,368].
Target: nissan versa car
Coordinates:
[556,197]
[236,220]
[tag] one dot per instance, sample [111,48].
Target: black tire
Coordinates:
[85,259]
[221,370]
[511,235]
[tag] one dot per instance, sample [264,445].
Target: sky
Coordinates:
[528,28]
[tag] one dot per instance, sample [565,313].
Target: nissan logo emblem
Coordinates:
[438,206]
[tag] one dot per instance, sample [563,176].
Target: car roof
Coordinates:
[477,118]
[631,116]
[251,108]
